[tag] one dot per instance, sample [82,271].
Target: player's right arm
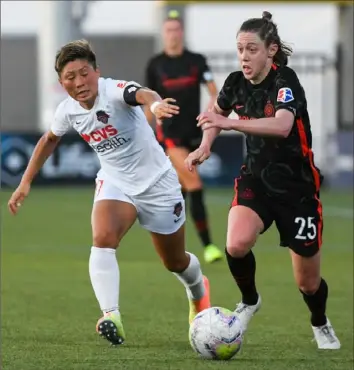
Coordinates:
[209,137]
[44,148]
[222,106]
[42,151]
[207,78]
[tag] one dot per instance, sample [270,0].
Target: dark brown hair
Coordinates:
[78,49]
[267,30]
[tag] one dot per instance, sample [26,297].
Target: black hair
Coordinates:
[78,49]
[267,30]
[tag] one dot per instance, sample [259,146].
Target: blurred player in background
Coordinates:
[136,180]
[178,73]
[279,181]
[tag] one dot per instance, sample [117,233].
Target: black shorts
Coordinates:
[298,219]
[190,144]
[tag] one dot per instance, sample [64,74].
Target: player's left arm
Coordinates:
[289,99]
[287,102]
[207,78]
[150,82]
[135,95]
[279,126]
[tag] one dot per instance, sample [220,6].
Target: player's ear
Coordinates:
[59,80]
[272,50]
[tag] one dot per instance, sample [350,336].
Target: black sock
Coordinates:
[243,271]
[199,216]
[317,304]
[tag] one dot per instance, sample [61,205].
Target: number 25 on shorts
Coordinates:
[307,228]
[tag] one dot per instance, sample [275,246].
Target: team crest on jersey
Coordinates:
[102,116]
[269,109]
[285,95]
[178,209]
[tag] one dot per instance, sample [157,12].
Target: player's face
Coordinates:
[80,81]
[255,58]
[172,34]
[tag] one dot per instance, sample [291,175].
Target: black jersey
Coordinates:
[179,78]
[284,165]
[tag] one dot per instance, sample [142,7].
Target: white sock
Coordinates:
[192,278]
[104,275]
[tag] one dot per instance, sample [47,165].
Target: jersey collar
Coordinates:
[267,81]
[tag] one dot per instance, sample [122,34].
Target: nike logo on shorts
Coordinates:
[310,243]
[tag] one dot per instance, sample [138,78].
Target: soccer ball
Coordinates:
[216,334]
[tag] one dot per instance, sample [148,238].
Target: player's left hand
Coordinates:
[208,120]
[197,157]
[165,109]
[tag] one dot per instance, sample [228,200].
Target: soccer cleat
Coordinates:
[201,304]
[110,327]
[212,253]
[245,312]
[326,337]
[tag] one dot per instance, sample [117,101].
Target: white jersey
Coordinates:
[120,134]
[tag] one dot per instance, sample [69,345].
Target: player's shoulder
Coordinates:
[65,107]
[194,55]
[110,87]
[105,83]
[234,79]
[230,90]
[287,74]
[156,59]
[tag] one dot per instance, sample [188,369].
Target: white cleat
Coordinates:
[245,312]
[326,337]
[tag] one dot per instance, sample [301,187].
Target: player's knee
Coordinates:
[105,239]
[307,285]
[176,265]
[239,246]
[238,251]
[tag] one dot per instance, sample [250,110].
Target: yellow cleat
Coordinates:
[110,327]
[212,253]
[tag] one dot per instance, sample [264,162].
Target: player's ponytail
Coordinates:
[268,32]
[284,51]
[267,16]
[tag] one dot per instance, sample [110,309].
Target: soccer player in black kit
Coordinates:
[178,73]
[278,181]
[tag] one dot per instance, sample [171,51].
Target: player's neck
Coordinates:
[88,105]
[174,52]
[261,77]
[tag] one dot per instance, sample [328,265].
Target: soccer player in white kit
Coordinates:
[136,179]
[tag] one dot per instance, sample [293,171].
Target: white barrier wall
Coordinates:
[318,30]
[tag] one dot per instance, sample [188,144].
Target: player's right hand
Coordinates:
[197,157]
[17,198]
[165,109]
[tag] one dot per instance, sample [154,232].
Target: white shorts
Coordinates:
[160,208]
